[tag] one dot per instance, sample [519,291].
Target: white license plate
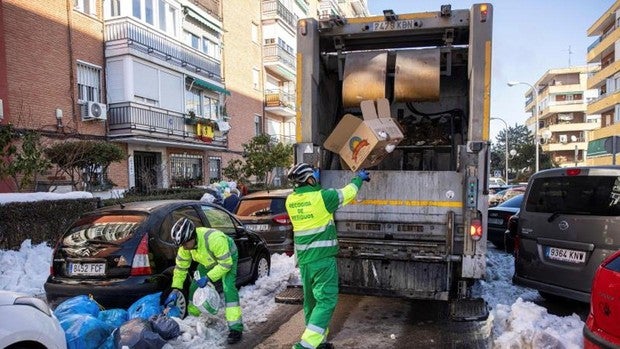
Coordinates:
[496,221]
[87,269]
[258,227]
[561,254]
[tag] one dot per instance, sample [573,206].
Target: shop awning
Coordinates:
[210,86]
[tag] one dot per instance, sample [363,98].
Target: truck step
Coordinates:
[293,294]
[475,309]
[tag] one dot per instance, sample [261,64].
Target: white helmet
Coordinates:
[300,173]
[182,231]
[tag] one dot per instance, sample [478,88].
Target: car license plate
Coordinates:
[561,254]
[91,269]
[496,221]
[258,227]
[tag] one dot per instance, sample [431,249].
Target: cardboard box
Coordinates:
[364,143]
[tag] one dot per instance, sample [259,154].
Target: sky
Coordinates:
[516,320]
[529,38]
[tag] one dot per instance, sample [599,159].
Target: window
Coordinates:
[185,170]
[215,169]
[168,222]
[192,101]
[254,32]
[192,40]
[85,6]
[148,11]
[162,15]
[89,82]
[115,8]
[219,219]
[257,124]
[201,102]
[255,78]
[136,9]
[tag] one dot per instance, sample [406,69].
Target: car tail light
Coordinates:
[282,219]
[475,229]
[141,264]
[573,171]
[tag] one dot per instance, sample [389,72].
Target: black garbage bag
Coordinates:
[138,334]
[165,326]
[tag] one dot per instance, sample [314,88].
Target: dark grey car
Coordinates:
[265,213]
[568,224]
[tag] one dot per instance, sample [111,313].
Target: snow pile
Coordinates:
[27,269]
[5,198]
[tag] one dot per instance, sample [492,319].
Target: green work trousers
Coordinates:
[231,295]
[320,283]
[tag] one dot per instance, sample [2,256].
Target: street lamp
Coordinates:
[506,150]
[512,83]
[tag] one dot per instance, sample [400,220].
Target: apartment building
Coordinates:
[180,85]
[343,8]
[563,121]
[604,143]
[51,69]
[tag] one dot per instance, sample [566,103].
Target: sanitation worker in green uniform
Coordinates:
[217,256]
[311,210]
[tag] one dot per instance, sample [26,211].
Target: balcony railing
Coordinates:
[131,119]
[274,54]
[138,36]
[275,9]
[274,98]
[600,38]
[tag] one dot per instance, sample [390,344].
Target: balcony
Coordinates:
[126,35]
[563,107]
[607,41]
[290,139]
[280,103]
[136,123]
[601,76]
[279,61]
[604,102]
[568,127]
[553,145]
[275,10]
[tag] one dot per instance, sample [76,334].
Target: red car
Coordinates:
[602,328]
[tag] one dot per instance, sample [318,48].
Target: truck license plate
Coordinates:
[561,254]
[87,269]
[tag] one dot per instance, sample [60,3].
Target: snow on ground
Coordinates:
[5,198]
[517,321]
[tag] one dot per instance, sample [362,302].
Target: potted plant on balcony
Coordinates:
[191,118]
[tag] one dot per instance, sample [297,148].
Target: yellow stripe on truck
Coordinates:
[486,103]
[425,203]
[298,95]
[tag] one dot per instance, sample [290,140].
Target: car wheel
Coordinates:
[261,267]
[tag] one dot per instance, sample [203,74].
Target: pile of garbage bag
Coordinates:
[143,325]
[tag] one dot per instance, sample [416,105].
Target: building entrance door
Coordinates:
[145,165]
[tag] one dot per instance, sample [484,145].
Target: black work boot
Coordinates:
[234,336]
[325,345]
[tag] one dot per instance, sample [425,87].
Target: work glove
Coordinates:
[173,296]
[317,174]
[364,175]
[202,282]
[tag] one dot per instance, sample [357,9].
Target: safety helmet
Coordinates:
[182,231]
[300,173]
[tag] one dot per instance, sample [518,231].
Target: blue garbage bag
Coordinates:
[77,305]
[145,307]
[84,331]
[166,327]
[109,342]
[113,317]
[173,311]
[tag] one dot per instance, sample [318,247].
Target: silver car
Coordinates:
[568,224]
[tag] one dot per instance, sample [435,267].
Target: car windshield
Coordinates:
[260,207]
[512,202]
[595,195]
[103,230]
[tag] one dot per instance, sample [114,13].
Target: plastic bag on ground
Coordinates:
[113,317]
[138,334]
[145,307]
[166,327]
[77,305]
[83,331]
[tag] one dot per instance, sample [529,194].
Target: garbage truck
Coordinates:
[406,96]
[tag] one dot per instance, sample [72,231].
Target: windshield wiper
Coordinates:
[555,214]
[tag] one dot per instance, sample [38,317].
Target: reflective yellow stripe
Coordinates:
[316,244]
[226,265]
[312,231]
[224,256]
[179,258]
[311,338]
[182,269]
[233,314]
[410,203]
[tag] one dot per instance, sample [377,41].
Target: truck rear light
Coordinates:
[282,219]
[475,229]
[141,264]
[484,12]
[303,27]
[573,171]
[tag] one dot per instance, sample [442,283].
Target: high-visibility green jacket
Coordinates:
[214,251]
[311,210]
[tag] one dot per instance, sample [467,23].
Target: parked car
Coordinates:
[498,217]
[265,213]
[602,327]
[512,192]
[496,196]
[568,224]
[122,253]
[28,322]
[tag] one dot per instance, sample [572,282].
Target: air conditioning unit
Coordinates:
[94,111]
[563,139]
